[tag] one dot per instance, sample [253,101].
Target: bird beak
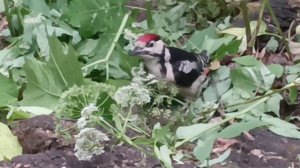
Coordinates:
[136,51]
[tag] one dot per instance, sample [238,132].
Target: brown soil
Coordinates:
[42,148]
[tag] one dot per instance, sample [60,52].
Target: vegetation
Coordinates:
[70,58]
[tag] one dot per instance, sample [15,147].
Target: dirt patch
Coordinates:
[42,148]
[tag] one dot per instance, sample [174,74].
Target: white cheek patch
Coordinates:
[187,66]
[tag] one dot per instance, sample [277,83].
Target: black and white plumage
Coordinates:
[172,64]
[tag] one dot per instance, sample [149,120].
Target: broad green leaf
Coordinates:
[9,146]
[203,149]
[35,110]
[290,133]
[210,94]
[236,129]
[291,78]
[164,155]
[273,104]
[95,16]
[37,6]
[48,80]
[8,91]
[293,94]
[293,69]
[267,76]
[278,122]
[276,69]
[212,44]
[272,45]
[242,79]
[225,49]
[198,38]
[246,60]
[219,159]
[191,132]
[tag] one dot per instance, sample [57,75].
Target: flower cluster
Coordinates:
[135,93]
[132,94]
[86,114]
[88,143]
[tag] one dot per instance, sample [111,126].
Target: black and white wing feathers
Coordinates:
[187,67]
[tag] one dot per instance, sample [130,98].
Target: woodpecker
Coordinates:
[187,70]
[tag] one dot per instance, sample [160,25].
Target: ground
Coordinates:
[42,148]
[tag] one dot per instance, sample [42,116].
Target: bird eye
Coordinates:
[150,44]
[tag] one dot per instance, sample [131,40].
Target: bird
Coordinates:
[185,69]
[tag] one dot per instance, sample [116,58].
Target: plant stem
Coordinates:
[244,8]
[251,43]
[266,95]
[126,120]
[273,17]
[8,17]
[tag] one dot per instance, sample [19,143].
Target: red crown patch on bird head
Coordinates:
[148,37]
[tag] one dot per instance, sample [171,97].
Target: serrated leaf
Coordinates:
[8,91]
[48,80]
[9,146]
[246,60]
[276,69]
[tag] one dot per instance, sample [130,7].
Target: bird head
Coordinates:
[148,46]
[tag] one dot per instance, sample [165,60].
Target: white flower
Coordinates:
[88,143]
[132,94]
[87,111]
[81,122]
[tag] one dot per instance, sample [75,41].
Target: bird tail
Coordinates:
[203,59]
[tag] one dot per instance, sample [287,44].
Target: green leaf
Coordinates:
[276,69]
[290,133]
[37,6]
[293,94]
[8,91]
[9,146]
[272,45]
[273,104]
[191,132]
[198,38]
[225,49]
[246,60]
[163,154]
[203,149]
[236,129]
[48,80]
[219,159]
[242,79]
[210,94]
[95,15]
